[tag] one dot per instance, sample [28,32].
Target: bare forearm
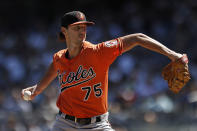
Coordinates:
[133,40]
[38,88]
[46,80]
[156,46]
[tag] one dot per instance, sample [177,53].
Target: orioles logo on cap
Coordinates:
[80,16]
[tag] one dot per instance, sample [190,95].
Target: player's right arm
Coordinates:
[49,76]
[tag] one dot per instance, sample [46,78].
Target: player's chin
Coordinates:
[81,39]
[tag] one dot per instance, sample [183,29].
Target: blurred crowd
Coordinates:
[139,98]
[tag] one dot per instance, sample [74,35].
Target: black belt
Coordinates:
[81,121]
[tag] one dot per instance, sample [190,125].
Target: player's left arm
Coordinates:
[139,39]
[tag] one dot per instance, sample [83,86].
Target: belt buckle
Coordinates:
[75,120]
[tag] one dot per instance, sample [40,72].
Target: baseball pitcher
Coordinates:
[82,69]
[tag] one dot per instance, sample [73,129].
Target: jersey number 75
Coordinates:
[97,91]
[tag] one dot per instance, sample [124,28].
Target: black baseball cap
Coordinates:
[73,18]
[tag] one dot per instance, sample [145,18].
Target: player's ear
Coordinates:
[61,37]
[63,30]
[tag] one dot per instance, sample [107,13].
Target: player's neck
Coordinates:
[74,50]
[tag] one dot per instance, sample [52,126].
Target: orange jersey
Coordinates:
[84,79]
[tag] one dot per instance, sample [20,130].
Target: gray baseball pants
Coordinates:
[62,124]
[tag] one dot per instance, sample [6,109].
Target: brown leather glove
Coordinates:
[176,73]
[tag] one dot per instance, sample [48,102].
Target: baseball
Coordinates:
[27,95]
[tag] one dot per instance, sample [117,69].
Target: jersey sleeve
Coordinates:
[57,58]
[109,50]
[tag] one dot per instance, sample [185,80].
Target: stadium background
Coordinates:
[139,100]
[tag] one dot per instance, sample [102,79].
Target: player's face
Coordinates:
[77,33]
